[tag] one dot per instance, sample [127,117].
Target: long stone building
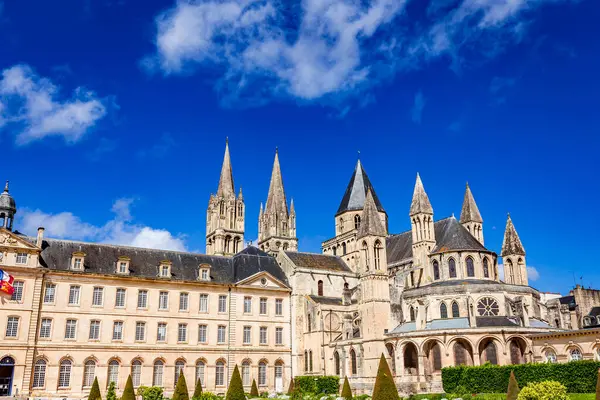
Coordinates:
[426,298]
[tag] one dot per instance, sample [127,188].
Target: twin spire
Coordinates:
[226,188]
[511,245]
[276,201]
[370,223]
[420,202]
[470,211]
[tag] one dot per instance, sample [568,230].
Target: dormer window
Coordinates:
[164,269]
[123,265]
[21,258]
[77,261]
[204,272]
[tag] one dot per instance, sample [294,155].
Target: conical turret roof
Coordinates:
[420,202]
[7,202]
[356,192]
[511,245]
[370,223]
[470,211]
[276,201]
[226,188]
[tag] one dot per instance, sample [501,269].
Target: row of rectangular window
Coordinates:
[163,300]
[140,331]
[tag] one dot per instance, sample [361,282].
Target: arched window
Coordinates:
[509,271]
[365,250]
[64,374]
[488,306]
[262,373]
[452,268]
[200,367]
[39,374]
[157,373]
[310,361]
[412,314]
[436,271]
[455,310]
[516,352]
[462,354]
[550,357]
[356,221]
[470,268]
[113,372]
[392,354]
[278,372]
[179,366]
[575,355]
[377,251]
[344,248]
[443,310]
[308,323]
[489,353]
[353,362]
[89,373]
[136,373]
[246,373]
[305,361]
[334,250]
[320,288]
[435,356]
[486,268]
[411,359]
[220,373]
[336,363]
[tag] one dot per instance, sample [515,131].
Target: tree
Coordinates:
[95,391]
[198,389]
[385,388]
[236,388]
[110,394]
[128,393]
[291,388]
[346,391]
[254,389]
[181,392]
[598,386]
[513,387]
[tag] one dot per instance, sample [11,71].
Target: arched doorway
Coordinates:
[463,353]
[433,351]
[411,359]
[392,355]
[7,368]
[488,352]
[517,351]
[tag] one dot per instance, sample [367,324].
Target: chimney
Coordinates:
[40,237]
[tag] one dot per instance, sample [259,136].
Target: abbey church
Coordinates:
[426,298]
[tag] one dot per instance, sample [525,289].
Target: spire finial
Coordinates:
[276,149]
[226,139]
[6,187]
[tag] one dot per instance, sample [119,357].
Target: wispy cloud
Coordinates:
[325,50]
[499,87]
[121,229]
[160,149]
[32,105]
[417,109]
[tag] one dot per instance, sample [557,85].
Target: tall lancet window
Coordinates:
[436,270]
[377,255]
[365,250]
[452,268]
[486,268]
[470,268]
[356,221]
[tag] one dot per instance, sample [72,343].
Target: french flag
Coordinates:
[6,282]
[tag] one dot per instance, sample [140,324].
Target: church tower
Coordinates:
[423,232]
[277,225]
[513,256]
[8,209]
[225,215]
[374,304]
[348,218]
[470,217]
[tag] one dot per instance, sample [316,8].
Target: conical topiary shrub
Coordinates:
[598,386]
[513,387]
[385,388]
[254,389]
[346,391]
[111,394]
[128,393]
[198,389]
[291,388]
[235,391]
[181,392]
[95,391]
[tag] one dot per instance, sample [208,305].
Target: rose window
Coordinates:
[488,306]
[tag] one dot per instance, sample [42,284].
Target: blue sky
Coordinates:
[114,114]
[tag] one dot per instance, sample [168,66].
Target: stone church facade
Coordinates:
[426,298]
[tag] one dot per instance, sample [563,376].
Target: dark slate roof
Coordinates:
[318,261]
[102,259]
[594,312]
[356,192]
[496,321]
[449,235]
[568,300]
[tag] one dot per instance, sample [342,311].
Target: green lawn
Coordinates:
[498,396]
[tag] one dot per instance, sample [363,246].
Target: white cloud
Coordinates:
[323,49]
[119,230]
[32,103]
[417,108]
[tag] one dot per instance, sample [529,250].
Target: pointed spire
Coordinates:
[511,245]
[292,208]
[226,180]
[276,201]
[240,196]
[356,191]
[370,223]
[261,209]
[470,211]
[420,202]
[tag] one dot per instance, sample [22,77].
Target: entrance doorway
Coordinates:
[278,378]
[7,367]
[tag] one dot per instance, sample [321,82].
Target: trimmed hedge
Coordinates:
[577,376]
[317,384]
